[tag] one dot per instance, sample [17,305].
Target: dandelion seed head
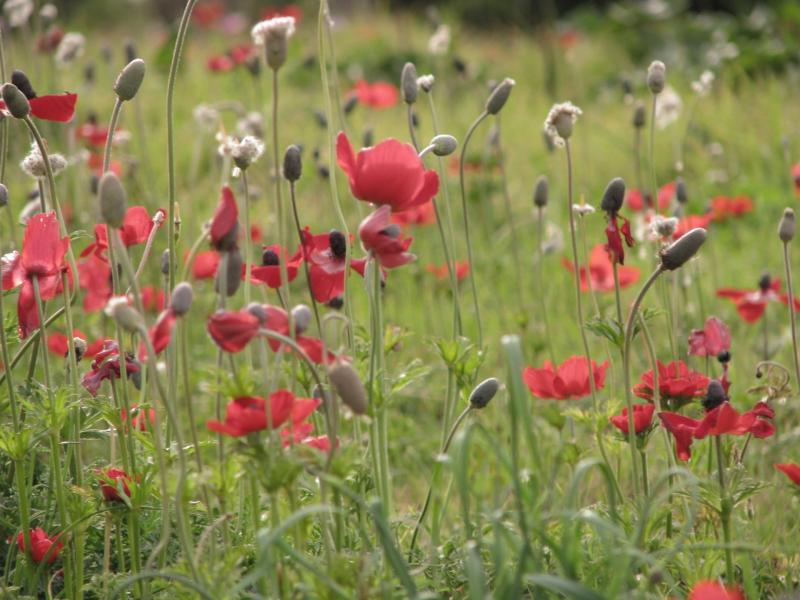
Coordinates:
[560,120]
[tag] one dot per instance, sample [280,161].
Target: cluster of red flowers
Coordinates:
[677,383]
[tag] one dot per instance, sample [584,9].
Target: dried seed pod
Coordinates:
[639,115]
[129,80]
[20,79]
[230,268]
[113,200]
[348,385]
[681,250]
[484,392]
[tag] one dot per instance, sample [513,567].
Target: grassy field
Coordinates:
[532,497]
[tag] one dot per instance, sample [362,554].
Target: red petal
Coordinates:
[56,107]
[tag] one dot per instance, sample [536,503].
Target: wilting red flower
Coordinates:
[160,334]
[390,173]
[135,230]
[206,14]
[269,271]
[686,224]
[424,214]
[94,277]
[441,271]
[248,414]
[711,590]
[642,418]
[714,338]
[233,330]
[326,257]
[225,224]
[378,95]
[205,264]
[382,239]
[153,298]
[290,10]
[601,272]
[791,470]
[751,304]
[140,419]
[41,545]
[221,63]
[676,382]
[570,380]
[796,178]
[615,233]
[110,482]
[106,366]
[55,107]
[723,207]
[43,252]
[636,202]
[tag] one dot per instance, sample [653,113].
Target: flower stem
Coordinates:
[292,195]
[112,127]
[725,510]
[654,188]
[792,318]
[540,294]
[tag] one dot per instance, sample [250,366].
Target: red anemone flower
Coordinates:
[382,239]
[601,272]
[135,230]
[50,39]
[751,304]
[94,277]
[378,95]
[723,207]
[225,224]
[442,272]
[635,201]
[791,470]
[248,414]
[205,264]
[153,298]
[676,383]
[41,545]
[390,173]
[111,480]
[642,418]
[233,330]
[42,257]
[569,381]
[270,270]
[326,255]
[715,337]
[711,590]
[160,334]
[106,366]
[277,320]
[682,429]
[93,135]
[206,14]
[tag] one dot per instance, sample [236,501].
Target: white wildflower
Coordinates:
[583,209]
[668,108]
[425,82]
[226,144]
[273,35]
[69,48]
[247,151]
[251,124]
[48,12]
[559,121]
[439,43]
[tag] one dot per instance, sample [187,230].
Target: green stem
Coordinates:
[725,510]
[540,293]
[112,127]
[792,318]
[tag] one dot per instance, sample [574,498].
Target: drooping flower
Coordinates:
[390,174]
[601,272]
[160,334]
[42,546]
[615,234]
[233,330]
[791,470]
[270,270]
[714,338]
[424,214]
[111,480]
[383,239]
[642,418]
[326,257]
[677,383]
[225,223]
[751,304]
[106,366]
[378,95]
[248,414]
[568,381]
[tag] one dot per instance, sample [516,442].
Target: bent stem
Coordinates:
[792,319]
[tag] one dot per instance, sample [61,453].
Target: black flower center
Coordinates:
[270,258]
[724,356]
[338,243]
[715,396]
[764,282]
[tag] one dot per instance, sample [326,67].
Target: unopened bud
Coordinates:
[181,300]
[229,272]
[369,137]
[639,115]
[347,384]
[113,200]
[681,193]
[444,145]
[16,102]
[408,83]
[130,51]
[129,79]
[677,253]
[3,195]
[787,226]
[484,392]
[292,163]
[123,313]
[614,196]
[258,311]
[350,103]
[20,79]
[540,192]
[301,316]
[165,262]
[656,76]
[499,96]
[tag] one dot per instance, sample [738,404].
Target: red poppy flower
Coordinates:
[106,366]
[676,382]
[94,277]
[153,298]
[55,107]
[424,214]
[233,330]
[290,10]
[206,14]
[711,590]
[382,239]
[751,304]
[642,418]
[378,95]
[791,470]
[225,224]
[278,321]
[682,429]
[43,252]
[135,230]
[601,272]
[390,173]
[269,271]
[111,480]
[326,256]
[41,545]
[140,420]
[441,271]
[569,381]
[205,264]
[686,224]
[615,233]
[636,202]
[58,343]
[723,207]
[248,414]
[221,63]
[714,338]
[796,179]
[160,334]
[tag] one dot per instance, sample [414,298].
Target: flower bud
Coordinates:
[230,268]
[347,384]
[130,51]
[639,115]
[129,80]
[3,195]
[16,102]
[677,253]
[301,316]
[181,300]
[444,145]
[540,192]
[408,83]
[656,76]
[113,200]
[369,138]
[258,311]
[681,194]
[165,262]
[20,79]
[614,196]
[484,392]
[499,96]
[292,163]
[787,226]
[123,313]
[349,104]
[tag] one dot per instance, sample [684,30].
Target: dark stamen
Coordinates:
[338,243]
[270,258]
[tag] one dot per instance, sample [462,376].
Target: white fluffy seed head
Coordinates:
[273,35]
[560,120]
